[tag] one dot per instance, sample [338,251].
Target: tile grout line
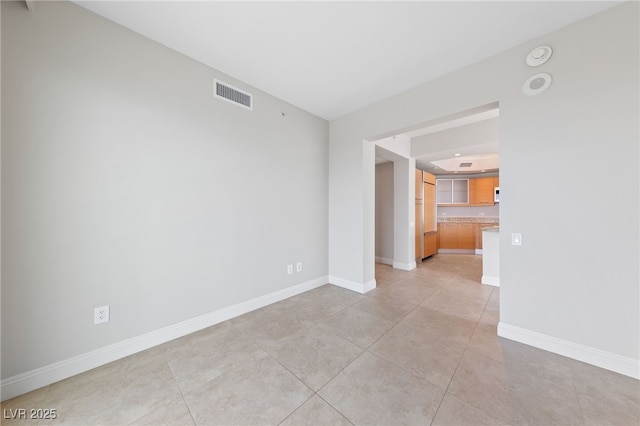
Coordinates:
[460,360]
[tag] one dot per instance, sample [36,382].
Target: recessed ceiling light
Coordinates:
[457,155]
[482,171]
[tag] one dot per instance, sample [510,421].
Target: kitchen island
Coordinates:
[491,256]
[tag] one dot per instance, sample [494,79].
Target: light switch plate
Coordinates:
[516,239]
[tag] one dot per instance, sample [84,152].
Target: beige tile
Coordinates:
[117,393]
[209,353]
[315,412]
[358,327]
[485,341]
[432,358]
[490,316]
[174,412]
[406,290]
[385,306]
[514,392]
[270,331]
[453,411]
[254,393]
[440,325]
[450,302]
[372,391]
[606,397]
[484,383]
[315,355]
[17,411]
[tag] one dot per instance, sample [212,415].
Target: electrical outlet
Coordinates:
[101,314]
[289,269]
[299,267]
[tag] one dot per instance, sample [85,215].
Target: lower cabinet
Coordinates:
[466,235]
[448,235]
[430,244]
[460,235]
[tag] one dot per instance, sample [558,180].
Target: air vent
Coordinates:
[465,164]
[232,94]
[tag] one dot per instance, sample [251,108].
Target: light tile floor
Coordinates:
[420,349]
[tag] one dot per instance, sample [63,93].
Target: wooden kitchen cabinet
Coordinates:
[429,203]
[449,235]
[484,191]
[456,235]
[430,244]
[452,191]
[466,235]
[419,211]
[479,227]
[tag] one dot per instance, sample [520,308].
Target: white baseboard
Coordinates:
[34,379]
[457,251]
[384,260]
[353,285]
[607,360]
[494,281]
[405,266]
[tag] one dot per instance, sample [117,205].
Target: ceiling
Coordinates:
[330,57]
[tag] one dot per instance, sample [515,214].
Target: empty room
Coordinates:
[366,213]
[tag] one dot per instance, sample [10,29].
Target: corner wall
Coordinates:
[573,285]
[125,183]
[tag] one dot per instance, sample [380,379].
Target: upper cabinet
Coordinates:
[452,191]
[468,192]
[484,191]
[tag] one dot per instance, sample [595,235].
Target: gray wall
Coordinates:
[384,211]
[124,182]
[576,276]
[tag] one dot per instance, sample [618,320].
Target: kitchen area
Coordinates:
[458,215]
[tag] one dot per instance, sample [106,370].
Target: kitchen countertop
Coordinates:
[469,219]
[491,229]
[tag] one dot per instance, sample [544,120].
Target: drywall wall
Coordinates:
[125,183]
[573,284]
[482,134]
[384,213]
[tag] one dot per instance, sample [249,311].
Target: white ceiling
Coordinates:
[331,58]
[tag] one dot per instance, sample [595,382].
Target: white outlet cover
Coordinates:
[101,314]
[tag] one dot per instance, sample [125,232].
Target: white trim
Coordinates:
[494,281]
[352,285]
[384,260]
[457,251]
[607,360]
[405,266]
[34,379]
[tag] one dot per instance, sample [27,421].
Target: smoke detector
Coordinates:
[539,56]
[537,83]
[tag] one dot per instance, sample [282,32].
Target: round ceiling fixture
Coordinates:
[536,84]
[539,56]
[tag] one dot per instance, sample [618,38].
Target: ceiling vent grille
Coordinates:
[465,164]
[232,94]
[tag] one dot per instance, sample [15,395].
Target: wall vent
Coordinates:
[226,92]
[465,164]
